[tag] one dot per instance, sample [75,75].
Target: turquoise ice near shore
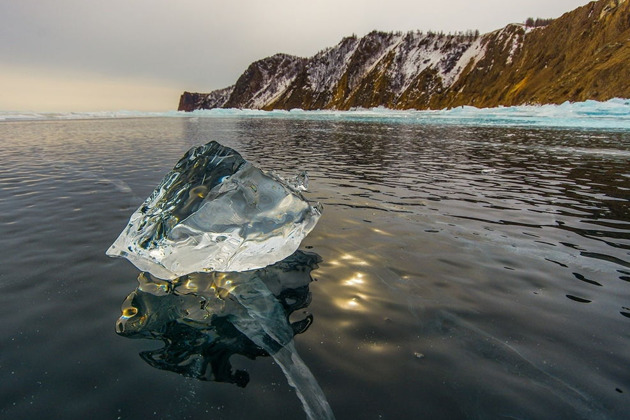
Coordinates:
[612,114]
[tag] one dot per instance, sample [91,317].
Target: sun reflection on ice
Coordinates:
[353,304]
[357,288]
[356,280]
[357,300]
[381,232]
[349,259]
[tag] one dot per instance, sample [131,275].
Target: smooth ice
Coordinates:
[216,212]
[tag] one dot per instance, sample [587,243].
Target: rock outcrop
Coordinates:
[584,54]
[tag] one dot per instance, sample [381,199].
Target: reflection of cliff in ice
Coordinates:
[204,318]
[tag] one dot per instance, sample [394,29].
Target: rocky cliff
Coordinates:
[584,54]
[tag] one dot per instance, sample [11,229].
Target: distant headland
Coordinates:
[584,54]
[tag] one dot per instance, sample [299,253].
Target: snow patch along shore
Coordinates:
[613,114]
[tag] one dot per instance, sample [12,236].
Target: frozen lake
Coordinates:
[468,269]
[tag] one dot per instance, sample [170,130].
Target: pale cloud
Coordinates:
[201,45]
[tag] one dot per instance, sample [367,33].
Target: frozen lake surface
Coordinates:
[468,269]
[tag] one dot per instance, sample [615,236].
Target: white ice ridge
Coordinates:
[613,114]
[216,212]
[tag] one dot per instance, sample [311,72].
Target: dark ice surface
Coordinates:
[466,272]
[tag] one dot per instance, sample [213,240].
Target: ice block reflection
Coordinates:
[205,318]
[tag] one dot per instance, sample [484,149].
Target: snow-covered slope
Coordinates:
[340,76]
[264,81]
[582,55]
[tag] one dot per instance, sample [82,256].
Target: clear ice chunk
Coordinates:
[216,212]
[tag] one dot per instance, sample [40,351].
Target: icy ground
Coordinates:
[612,114]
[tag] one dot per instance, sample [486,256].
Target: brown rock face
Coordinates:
[189,101]
[584,54]
[216,99]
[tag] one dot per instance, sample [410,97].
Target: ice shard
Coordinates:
[216,212]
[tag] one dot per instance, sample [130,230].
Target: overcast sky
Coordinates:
[84,55]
